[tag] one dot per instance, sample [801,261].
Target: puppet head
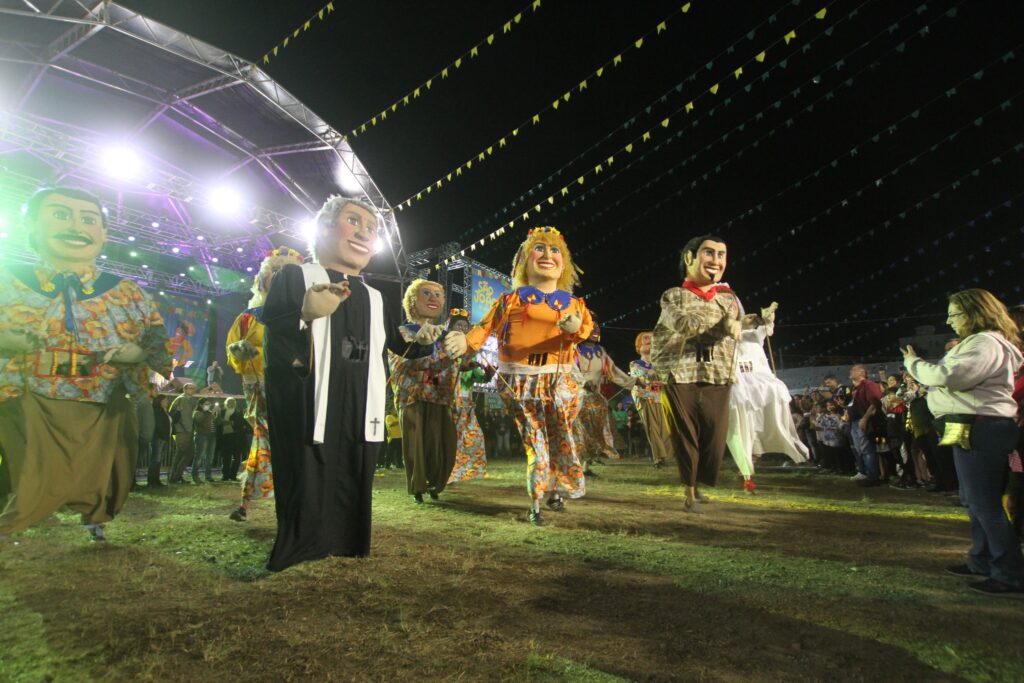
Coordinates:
[643,343]
[703,260]
[544,258]
[458,320]
[66,227]
[595,334]
[423,301]
[347,229]
[274,261]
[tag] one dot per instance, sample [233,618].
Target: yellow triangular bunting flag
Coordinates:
[567,95]
[629,148]
[444,72]
[551,199]
[714,89]
[517,18]
[536,5]
[330,7]
[821,13]
[646,137]
[583,86]
[599,168]
[565,191]
[760,56]
[501,142]
[616,60]
[474,51]
[580,180]
[536,119]
[610,160]
[285,43]
[639,43]
[507,27]
[662,27]
[554,105]
[458,62]
[789,36]
[686,8]
[689,107]
[599,72]
[664,123]
[738,72]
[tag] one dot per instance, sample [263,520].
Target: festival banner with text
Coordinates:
[486,287]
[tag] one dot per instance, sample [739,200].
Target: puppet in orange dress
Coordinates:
[470,454]
[537,326]
[245,354]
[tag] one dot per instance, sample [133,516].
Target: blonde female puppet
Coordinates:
[538,325]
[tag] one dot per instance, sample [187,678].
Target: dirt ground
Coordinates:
[811,579]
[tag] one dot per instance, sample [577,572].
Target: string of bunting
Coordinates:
[832,164]
[760,116]
[302,28]
[534,120]
[444,72]
[938,246]
[787,325]
[625,125]
[902,215]
[939,300]
[643,138]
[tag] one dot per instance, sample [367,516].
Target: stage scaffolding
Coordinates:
[79,77]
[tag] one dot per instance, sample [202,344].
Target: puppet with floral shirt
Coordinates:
[537,326]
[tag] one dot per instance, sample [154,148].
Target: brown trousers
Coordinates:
[71,453]
[699,417]
[428,446]
[184,452]
[652,417]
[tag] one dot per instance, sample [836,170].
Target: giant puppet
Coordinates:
[592,429]
[74,342]
[245,354]
[470,452]
[647,398]
[694,355]
[759,416]
[424,391]
[537,326]
[326,338]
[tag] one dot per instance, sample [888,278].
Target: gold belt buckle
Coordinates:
[957,434]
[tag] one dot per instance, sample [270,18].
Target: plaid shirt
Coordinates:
[690,342]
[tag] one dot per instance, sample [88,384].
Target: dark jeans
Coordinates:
[995,548]
[864,452]
[156,454]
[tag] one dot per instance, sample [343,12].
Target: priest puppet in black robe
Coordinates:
[327,336]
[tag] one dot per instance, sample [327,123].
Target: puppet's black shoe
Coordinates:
[535,518]
[418,497]
[556,504]
[238,515]
[433,494]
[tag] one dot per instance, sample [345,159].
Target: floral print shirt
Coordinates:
[77,320]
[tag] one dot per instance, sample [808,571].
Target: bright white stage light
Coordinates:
[131,238]
[154,224]
[225,200]
[347,182]
[239,250]
[309,230]
[121,163]
[248,269]
[175,250]
[215,259]
[381,245]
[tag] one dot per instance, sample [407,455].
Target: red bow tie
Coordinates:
[709,294]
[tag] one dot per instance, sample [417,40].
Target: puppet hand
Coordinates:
[909,353]
[243,350]
[455,344]
[125,354]
[323,300]
[768,314]
[18,341]
[571,323]
[428,334]
[733,327]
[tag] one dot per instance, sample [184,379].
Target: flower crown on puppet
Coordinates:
[551,236]
[275,260]
[409,299]
[456,314]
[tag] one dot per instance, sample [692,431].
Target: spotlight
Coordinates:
[121,163]
[225,200]
[215,259]
[162,294]
[145,266]
[239,250]
[181,274]
[133,254]
[216,282]
[248,269]
[200,238]
[131,238]
[175,250]
[208,302]
[309,230]
[191,268]
[347,181]
[103,256]
[154,224]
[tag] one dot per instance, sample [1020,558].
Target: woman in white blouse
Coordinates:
[970,393]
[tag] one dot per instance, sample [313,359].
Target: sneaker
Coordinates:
[962,570]
[418,497]
[433,494]
[535,518]
[858,477]
[998,589]
[239,514]
[556,504]
[749,486]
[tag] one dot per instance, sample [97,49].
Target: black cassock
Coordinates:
[323,492]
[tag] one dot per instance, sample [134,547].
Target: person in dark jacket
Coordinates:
[161,437]
[233,434]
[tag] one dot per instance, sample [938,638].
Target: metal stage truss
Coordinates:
[81,79]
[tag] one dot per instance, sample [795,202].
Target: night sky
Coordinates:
[859,173]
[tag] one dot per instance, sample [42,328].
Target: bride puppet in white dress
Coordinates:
[759,416]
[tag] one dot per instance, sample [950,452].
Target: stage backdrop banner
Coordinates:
[188,327]
[486,288]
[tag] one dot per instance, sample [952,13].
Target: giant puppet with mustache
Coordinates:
[74,342]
